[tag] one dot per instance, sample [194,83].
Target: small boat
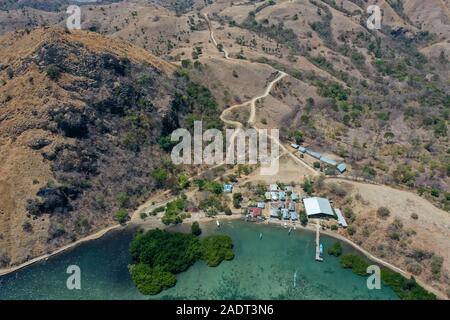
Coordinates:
[321,250]
[290,229]
[285,225]
[295,279]
[260,236]
[218,223]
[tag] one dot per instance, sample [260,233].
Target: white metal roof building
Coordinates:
[318,207]
[273,187]
[340,217]
[313,154]
[328,161]
[341,167]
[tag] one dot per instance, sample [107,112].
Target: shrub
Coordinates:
[215,187]
[351,230]
[195,229]
[5,260]
[414,267]
[217,248]
[122,216]
[228,211]
[160,175]
[334,227]
[53,72]
[308,187]
[414,216]
[436,266]
[348,212]
[143,215]
[383,212]
[303,218]
[435,192]
[123,200]
[201,184]
[27,227]
[10,73]
[186,63]
[82,222]
[151,281]
[336,249]
[237,198]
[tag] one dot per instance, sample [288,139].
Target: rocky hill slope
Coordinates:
[76,110]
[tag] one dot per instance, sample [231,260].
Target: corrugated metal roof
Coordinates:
[285,213]
[340,217]
[313,154]
[328,161]
[302,149]
[274,212]
[316,205]
[341,167]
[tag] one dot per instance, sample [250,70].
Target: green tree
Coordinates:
[183,181]
[122,216]
[195,229]
[53,72]
[237,198]
[151,281]
[215,187]
[308,187]
[123,200]
[160,175]
[336,249]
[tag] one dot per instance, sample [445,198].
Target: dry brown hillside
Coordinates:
[76,110]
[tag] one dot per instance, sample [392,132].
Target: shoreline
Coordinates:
[150,224]
[439,295]
[94,236]
[99,234]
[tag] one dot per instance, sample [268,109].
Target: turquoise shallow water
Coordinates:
[262,269]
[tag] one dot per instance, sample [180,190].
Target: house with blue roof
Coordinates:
[228,188]
[285,214]
[341,167]
[274,212]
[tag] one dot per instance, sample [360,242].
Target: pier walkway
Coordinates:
[318,257]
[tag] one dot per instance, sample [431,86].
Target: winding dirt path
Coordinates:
[251,122]
[252,103]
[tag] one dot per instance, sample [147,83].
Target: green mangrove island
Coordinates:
[406,289]
[159,255]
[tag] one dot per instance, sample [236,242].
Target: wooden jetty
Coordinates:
[318,255]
